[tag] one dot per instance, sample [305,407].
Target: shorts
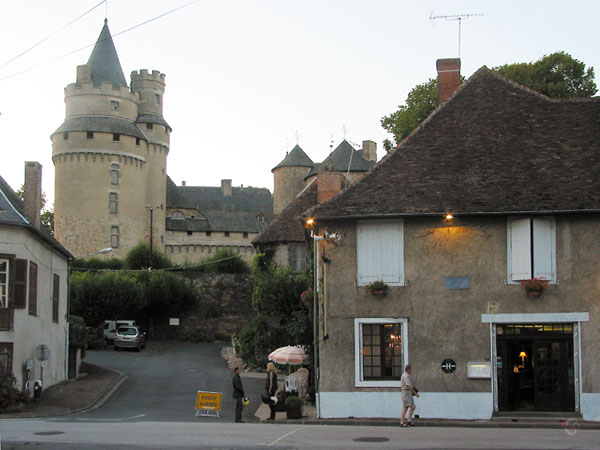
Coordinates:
[407,398]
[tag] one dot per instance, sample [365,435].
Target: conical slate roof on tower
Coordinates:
[104,61]
[296,157]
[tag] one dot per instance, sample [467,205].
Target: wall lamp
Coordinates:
[448,218]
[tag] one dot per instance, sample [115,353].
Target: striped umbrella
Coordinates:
[288,355]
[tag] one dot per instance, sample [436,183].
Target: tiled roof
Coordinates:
[296,157]
[286,227]
[12,213]
[494,147]
[152,118]
[101,124]
[343,159]
[242,199]
[175,198]
[104,61]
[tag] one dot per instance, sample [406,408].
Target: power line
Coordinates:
[48,37]
[91,45]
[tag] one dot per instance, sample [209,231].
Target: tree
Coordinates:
[139,258]
[558,75]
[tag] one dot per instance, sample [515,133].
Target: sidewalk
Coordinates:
[92,388]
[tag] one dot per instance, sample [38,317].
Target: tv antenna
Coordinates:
[457,17]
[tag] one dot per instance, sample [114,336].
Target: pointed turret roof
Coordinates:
[104,61]
[344,158]
[296,157]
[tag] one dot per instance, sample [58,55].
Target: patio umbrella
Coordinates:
[288,355]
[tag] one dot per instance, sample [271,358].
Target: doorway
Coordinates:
[535,367]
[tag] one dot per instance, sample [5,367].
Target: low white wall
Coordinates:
[440,405]
[590,407]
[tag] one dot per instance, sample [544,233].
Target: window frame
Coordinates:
[509,256]
[112,202]
[359,380]
[114,235]
[7,284]
[114,105]
[379,276]
[89,135]
[115,174]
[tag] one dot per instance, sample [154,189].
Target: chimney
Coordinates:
[33,191]
[226,187]
[183,183]
[448,78]
[369,150]
[84,74]
[329,184]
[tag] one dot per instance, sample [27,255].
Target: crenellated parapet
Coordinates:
[143,74]
[104,99]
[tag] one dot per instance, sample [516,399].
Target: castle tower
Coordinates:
[289,178]
[109,163]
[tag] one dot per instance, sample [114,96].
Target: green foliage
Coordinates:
[77,332]
[277,291]
[102,296]
[557,75]
[223,261]
[258,339]
[47,215]
[165,293]
[139,258]
[98,264]
[9,394]
[293,402]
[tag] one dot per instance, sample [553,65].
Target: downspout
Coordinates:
[68,313]
[316,323]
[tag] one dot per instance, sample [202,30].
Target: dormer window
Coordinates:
[178,215]
[114,105]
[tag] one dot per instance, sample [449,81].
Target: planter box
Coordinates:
[294,413]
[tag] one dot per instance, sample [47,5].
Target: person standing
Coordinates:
[238,395]
[271,387]
[407,391]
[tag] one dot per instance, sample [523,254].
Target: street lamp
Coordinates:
[151,208]
[69,266]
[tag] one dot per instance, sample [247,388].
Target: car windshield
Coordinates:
[127,331]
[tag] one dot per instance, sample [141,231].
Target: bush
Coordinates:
[9,394]
[139,258]
[258,339]
[293,402]
[98,264]
[224,261]
[165,293]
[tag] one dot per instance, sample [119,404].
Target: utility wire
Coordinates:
[91,45]
[53,34]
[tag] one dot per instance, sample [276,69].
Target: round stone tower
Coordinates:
[289,178]
[109,167]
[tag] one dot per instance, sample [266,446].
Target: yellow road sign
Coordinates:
[209,400]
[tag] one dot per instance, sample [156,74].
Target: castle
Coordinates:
[111,182]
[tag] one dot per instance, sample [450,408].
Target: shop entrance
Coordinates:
[535,367]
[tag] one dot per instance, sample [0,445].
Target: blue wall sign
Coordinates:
[457,283]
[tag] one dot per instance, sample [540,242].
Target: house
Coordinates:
[498,185]
[33,288]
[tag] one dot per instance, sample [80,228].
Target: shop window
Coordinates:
[114,236]
[380,351]
[380,252]
[531,249]
[33,282]
[55,297]
[113,206]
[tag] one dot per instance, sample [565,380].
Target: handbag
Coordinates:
[265,397]
[413,393]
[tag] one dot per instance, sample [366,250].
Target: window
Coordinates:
[55,297]
[157,99]
[380,351]
[114,236]
[380,252]
[114,174]
[137,141]
[149,126]
[89,135]
[33,272]
[226,233]
[116,137]
[4,282]
[531,249]
[6,359]
[208,233]
[114,105]
[178,215]
[113,203]
[297,257]
[65,135]
[245,235]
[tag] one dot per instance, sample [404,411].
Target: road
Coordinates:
[155,409]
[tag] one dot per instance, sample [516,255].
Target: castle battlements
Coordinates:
[143,74]
[108,89]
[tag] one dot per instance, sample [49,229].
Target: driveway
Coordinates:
[162,382]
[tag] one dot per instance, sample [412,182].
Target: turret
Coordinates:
[289,178]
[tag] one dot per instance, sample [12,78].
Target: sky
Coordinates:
[248,79]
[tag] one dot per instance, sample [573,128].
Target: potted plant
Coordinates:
[377,287]
[534,286]
[293,407]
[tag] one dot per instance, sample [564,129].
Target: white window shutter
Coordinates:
[520,249]
[368,245]
[380,252]
[543,248]
[392,252]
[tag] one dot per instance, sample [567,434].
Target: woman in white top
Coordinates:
[406,393]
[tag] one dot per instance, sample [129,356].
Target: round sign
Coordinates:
[448,366]
[42,352]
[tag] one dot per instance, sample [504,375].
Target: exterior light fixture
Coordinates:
[310,222]
[448,218]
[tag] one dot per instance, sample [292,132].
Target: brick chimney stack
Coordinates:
[33,192]
[329,184]
[226,188]
[369,150]
[448,78]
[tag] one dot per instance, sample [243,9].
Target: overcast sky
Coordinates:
[243,76]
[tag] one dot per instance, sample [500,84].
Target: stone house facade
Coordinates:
[33,288]
[499,185]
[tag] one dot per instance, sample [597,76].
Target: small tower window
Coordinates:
[157,99]
[89,135]
[113,203]
[189,233]
[208,233]
[65,135]
[116,137]
[114,105]
[137,141]
[226,234]
[114,174]
[245,235]
[178,215]
[149,126]
[114,236]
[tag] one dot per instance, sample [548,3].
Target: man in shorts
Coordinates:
[406,393]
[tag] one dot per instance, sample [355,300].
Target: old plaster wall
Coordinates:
[447,323]
[223,307]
